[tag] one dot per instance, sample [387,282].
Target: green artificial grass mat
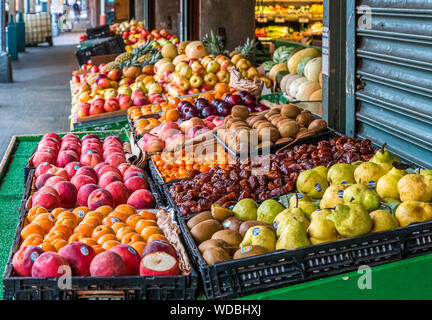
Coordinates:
[11,192]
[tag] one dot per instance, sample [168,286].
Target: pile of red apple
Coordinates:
[159,258]
[100,177]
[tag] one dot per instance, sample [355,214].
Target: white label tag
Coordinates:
[325,51]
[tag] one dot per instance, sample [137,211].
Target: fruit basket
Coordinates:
[237,278]
[168,287]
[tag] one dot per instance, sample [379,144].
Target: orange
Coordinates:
[57,211]
[89,241]
[84,228]
[174,101]
[150,230]
[105,210]
[93,221]
[57,234]
[123,231]
[131,238]
[109,244]
[139,246]
[76,237]
[34,212]
[143,224]
[148,215]
[98,249]
[121,216]
[94,214]
[157,236]
[46,224]
[105,238]
[80,212]
[101,230]
[117,226]
[64,228]
[172,115]
[31,229]
[59,243]
[125,209]
[45,246]
[133,219]
[148,79]
[67,222]
[32,240]
[109,221]
[68,214]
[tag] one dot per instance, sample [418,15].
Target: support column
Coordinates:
[12,35]
[5,59]
[20,26]
[102,20]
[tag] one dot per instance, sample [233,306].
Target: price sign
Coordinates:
[325,50]
[279,20]
[303,19]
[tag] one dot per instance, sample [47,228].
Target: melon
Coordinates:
[290,80]
[161,61]
[277,68]
[306,90]
[180,58]
[169,50]
[167,66]
[301,66]
[316,96]
[295,86]
[299,56]
[195,50]
[284,81]
[312,69]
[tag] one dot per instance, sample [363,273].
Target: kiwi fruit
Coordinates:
[212,243]
[318,125]
[221,213]
[305,133]
[252,223]
[200,217]
[269,133]
[290,111]
[227,118]
[232,223]
[249,251]
[205,229]
[254,119]
[288,128]
[274,119]
[239,124]
[215,254]
[264,144]
[231,120]
[305,118]
[233,238]
[284,140]
[272,112]
[257,123]
[240,111]
[265,125]
[243,135]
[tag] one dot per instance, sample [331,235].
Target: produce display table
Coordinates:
[288,43]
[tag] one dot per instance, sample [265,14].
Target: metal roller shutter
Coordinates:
[389,75]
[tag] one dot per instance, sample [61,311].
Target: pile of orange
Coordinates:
[173,166]
[101,229]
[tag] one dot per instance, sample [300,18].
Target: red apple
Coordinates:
[159,246]
[49,264]
[159,264]
[107,264]
[130,258]
[80,256]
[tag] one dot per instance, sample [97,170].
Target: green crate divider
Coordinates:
[277,97]
[118,125]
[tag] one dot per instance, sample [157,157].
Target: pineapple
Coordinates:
[125,56]
[181,49]
[145,57]
[248,48]
[111,66]
[214,44]
[91,79]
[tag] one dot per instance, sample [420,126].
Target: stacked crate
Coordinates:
[38,28]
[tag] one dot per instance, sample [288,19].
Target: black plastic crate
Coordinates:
[114,45]
[98,32]
[157,178]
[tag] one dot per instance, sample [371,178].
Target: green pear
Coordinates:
[387,184]
[303,202]
[383,220]
[285,217]
[259,236]
[245,209]
[323,171]
[268,210]
[391,200]
[426,172]
[356,164]
[359,193]
[333,195]
[411,211]
[351,219]
[415,187]
[294,236]
[384,156]
[368,173]
[312,183]
[341,173]
[298,197]
[322,229]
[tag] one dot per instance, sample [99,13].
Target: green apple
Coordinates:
[252,73]
[125,90]
[223,76]
[243,64]
[186,72]
[213,67]
[180,65]
[183,83]
[210,79]
[110,93]
[196,81]
[154,88]
[198,69]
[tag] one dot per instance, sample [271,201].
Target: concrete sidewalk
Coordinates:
[39,99]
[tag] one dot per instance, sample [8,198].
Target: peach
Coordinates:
[109,168]
[108,178]
[67,193]
[110,150]
[111,104]
[97,106]
[49,264]
[24,259]
[72,167]
[47,189]
[70,136]
[116,159]
[83,110]
[59,172]
[136,183]
[46,200]
[80,256]
[87,171]
[133,173]
[90,136]
[119,192]
[71,146]
[125,102]
[99,166]
[43,156]
[151,143]
[123,167]
[142,199]
[107,264]
[84,192]
[42,168]
[66,157]
[130,258]
[99,198]
[90,159]
[42,179]
[52,144]
[108,140]
[51,182]
[81,180]
[52,135]
[159,264]
[94,147]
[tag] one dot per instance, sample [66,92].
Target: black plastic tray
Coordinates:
[157,177]
[237,278]
[98,32]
